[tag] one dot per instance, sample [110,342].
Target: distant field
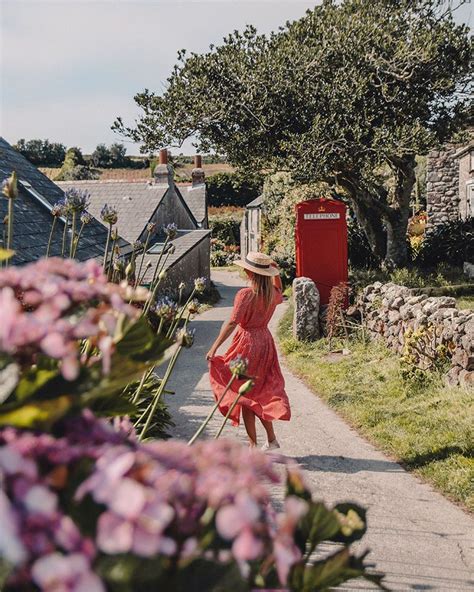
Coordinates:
[144,174]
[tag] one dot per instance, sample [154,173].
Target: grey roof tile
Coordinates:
[183,244]
[134,202]
[32,219]
[196,198]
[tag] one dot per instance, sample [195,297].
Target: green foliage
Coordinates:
[113,156]
[357,90]
[360,254]
[450,243]
[41,152]
[74,168]
[42,396]
[225,227]
[427,426]
[233,189]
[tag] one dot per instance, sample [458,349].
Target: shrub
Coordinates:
[74,169]
[451,243]
[233,189]
[360,254]
[42,152]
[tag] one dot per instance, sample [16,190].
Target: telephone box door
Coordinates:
[321,243]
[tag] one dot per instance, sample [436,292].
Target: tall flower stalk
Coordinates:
[185,340]
[151,227]
[56,211]
[210,415]
[245,388]
[86,218]
[10,191]
[109,216]
[76,202]
[199,287]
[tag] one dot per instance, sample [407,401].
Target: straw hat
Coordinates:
[258,263]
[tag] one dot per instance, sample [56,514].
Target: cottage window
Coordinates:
[158,248]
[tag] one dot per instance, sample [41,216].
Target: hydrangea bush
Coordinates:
[88,507]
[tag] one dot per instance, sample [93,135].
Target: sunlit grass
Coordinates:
[429,428]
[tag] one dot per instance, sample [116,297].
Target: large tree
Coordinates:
[349,94]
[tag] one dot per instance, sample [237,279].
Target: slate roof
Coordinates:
[134,202]
[32,219]
[196,198]
[256,203]
[183,244]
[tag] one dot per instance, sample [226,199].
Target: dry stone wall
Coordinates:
[394,312]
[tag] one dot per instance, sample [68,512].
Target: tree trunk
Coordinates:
[371,223]
[396,220]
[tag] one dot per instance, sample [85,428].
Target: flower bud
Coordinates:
[162,274]
[200,284]
[185,337]
[10,186]
[246,387]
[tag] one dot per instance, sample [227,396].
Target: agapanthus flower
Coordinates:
[200,284]
[10,186]
[151,227]
[166,308]
[137,245]
[238,366]
[76,200]
[171,230]
[193,306]
[58,209]
[109,215]
[86,218]
[185,337]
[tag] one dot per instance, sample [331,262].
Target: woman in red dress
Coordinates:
[253,309]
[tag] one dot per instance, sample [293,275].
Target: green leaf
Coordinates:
[113,406]
[32,381]
[337,569]
[38,414]
[141,344]
[6,254]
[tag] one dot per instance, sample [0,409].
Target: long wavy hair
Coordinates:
[262,286]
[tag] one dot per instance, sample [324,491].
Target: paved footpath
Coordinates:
[420,540]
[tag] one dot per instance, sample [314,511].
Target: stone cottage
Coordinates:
[162,202]
[450,183]
[32,217]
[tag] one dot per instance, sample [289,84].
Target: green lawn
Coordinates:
[429,429]
[465,302]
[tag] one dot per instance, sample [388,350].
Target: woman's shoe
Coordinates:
[273,445]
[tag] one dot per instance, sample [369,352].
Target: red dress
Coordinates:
[253,341]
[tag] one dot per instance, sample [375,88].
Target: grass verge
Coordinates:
[429,428]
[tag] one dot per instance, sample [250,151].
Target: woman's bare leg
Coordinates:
[268,425]
[249,421]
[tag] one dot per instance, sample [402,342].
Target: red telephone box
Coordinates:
[321,243]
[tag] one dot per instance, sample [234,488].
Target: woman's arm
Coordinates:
[226,331]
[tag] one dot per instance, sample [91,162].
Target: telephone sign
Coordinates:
[321,243]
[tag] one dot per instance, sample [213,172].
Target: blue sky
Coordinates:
[69,67]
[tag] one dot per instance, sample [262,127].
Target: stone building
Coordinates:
[162,202]
[450,184]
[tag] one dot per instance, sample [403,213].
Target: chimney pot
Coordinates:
[163,156]
[197,161]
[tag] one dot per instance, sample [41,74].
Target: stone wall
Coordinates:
[442,187]
[392,312]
